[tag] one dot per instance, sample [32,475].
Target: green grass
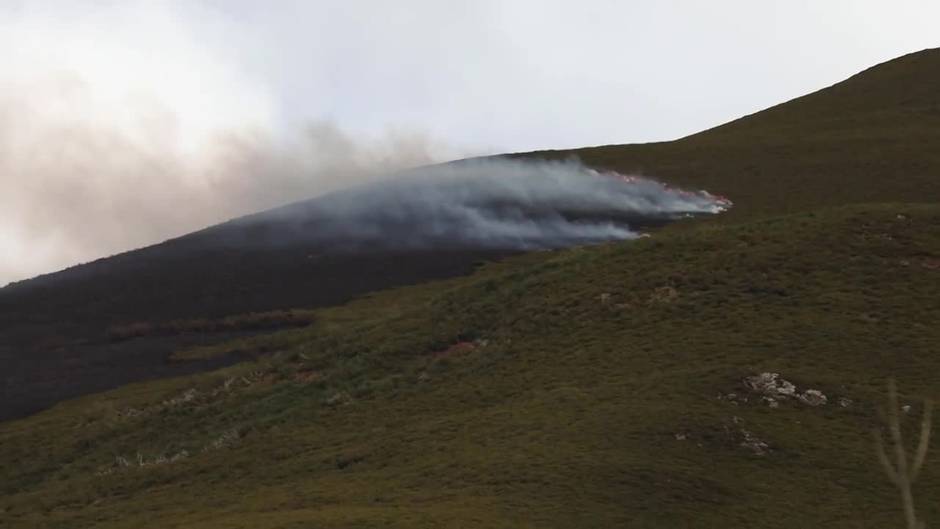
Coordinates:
[564,411]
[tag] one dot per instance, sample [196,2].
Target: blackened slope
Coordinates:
[164,282]
[51,329]
[872,138]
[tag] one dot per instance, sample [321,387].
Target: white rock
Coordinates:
[753,443]
[770,384]
[813,397]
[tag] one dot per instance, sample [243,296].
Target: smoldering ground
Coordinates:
[494,203]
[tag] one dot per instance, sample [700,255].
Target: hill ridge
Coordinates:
[874,137]
[868,75]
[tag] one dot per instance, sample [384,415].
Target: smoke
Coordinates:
[123,124]
[120,128]
[484,203]
[76,189]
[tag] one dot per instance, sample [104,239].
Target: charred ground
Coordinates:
[54,329]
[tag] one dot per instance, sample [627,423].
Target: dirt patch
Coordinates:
[456,349]
[664,294]
[306,376]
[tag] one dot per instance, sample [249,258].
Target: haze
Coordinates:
[125,123]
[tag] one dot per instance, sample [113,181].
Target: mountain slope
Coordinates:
[580,388]
[590,387]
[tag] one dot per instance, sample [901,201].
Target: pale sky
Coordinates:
[124,123]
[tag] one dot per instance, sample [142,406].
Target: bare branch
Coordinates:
[904,472]
[894,426]
[924,443]
[883,458]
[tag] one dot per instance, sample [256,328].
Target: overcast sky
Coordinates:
[124,123]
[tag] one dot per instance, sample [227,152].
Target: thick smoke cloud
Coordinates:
[76,191]
[119,128]
[126,123]
[486,203]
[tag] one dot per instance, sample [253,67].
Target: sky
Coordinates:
[123,123]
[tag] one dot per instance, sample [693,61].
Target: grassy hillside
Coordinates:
[582,388]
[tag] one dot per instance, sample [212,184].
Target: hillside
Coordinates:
[581,388]
[597,386]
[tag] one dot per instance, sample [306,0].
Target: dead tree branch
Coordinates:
[903,471]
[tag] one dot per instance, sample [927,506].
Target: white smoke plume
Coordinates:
[485,203]
[119,128]
[122,125]
[70,192]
